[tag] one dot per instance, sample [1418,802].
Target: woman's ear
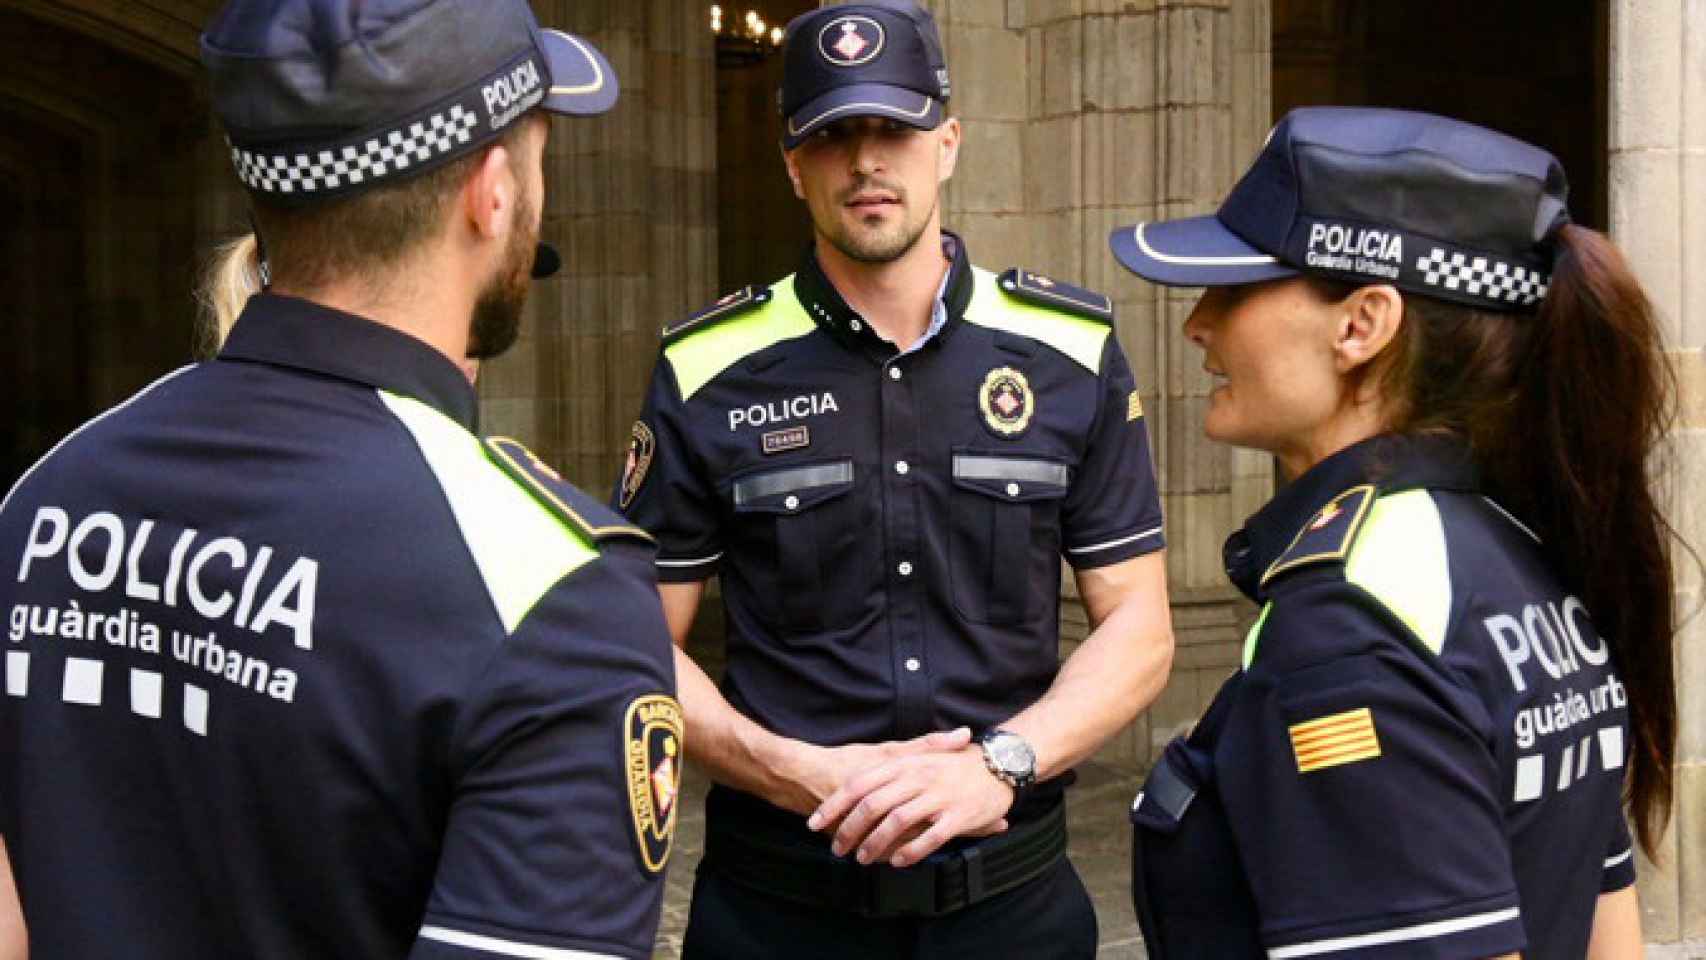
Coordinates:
[1369,319]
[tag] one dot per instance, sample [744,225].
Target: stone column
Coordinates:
[1082,115]
[1657,173]
[631,204]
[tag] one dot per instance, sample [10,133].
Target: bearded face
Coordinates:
[496,321]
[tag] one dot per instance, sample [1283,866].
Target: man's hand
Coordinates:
[817,772]
[905,809]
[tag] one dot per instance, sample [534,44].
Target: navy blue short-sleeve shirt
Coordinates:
[888,527]
[297,666]
[1424,753]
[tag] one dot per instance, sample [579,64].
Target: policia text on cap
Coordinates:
[299,666]
[884,457]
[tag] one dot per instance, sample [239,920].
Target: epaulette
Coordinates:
[732,305]
[1044,292]
[593,520]
[1329,535]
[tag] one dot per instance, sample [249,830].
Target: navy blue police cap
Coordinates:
[1432,206]
[876,58]
[322,98]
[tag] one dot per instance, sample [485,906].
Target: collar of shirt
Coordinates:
[303,335]
[1389,462]
[830,311]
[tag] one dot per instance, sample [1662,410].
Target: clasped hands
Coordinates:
[901,801]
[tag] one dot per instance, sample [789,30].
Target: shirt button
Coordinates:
[905,568]
[912,664]
[856,325]
[1012,489]
[792,503]
[894,373]
[901,467]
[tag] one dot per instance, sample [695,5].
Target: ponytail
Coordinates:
[1565,411]
[231,277]
[1595,399]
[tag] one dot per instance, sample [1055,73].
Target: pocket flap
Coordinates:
[792,489]
[1169,791]
[1017,479]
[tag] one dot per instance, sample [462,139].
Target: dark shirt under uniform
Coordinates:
[1424,753]
[888,527]
[299,667]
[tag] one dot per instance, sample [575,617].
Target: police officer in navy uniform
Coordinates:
[884,457]
[296,664]
[1463,654]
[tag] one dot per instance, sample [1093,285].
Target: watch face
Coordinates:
[1012,754]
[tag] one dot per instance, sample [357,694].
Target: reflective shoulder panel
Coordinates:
[1328,536]
[591,519]
[697,355]
[1255,634]
[1400,559]
[1065,329]
[520,547]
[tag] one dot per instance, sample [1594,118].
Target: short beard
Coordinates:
[880,248]
[496,321]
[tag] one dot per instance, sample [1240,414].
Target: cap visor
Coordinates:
[1196,252]
[582,81]
[862,100]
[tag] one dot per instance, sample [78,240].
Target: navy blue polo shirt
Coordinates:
[889,527]
[297,666]
[1424,753]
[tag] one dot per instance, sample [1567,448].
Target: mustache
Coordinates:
[868,184]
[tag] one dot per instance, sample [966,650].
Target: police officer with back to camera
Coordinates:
[296,664]
[1463,656]
[884,457]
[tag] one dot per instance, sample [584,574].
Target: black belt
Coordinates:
[755,855]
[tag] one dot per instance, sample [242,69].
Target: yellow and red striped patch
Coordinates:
[1334,740]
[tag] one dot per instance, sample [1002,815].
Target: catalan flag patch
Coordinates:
[1133,407]
[1334,740]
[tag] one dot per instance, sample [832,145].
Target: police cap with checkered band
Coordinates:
[1432,206]
[877,58]
[323,98]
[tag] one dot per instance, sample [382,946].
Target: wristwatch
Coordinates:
[1009,757]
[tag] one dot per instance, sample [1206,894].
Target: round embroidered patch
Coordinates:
[1006,401]
[850,41]
[642,445]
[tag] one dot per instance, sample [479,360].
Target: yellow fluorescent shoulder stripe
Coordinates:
[1251,638]
[1078,337]
[1400,558]
[519,546]
[698,357]
[1335,740]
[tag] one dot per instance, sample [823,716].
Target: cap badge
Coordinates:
[1006,401]
[851,41]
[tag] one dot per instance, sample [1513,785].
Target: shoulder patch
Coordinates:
[652,735]
[731,305]
[1328,536]
[1045,292]
[592,519]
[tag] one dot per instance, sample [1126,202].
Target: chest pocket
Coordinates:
[1005,546]
[812,564]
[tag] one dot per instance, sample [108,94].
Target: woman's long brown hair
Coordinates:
[1565,411]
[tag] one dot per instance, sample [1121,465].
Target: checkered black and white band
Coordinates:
[1482,276]
[431,136]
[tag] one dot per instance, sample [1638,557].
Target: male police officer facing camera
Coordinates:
[296,665]
[884,456]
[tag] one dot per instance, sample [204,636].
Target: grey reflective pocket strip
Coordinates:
[788,481]
[1003,468]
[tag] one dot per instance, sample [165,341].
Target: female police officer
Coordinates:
[1426,749]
